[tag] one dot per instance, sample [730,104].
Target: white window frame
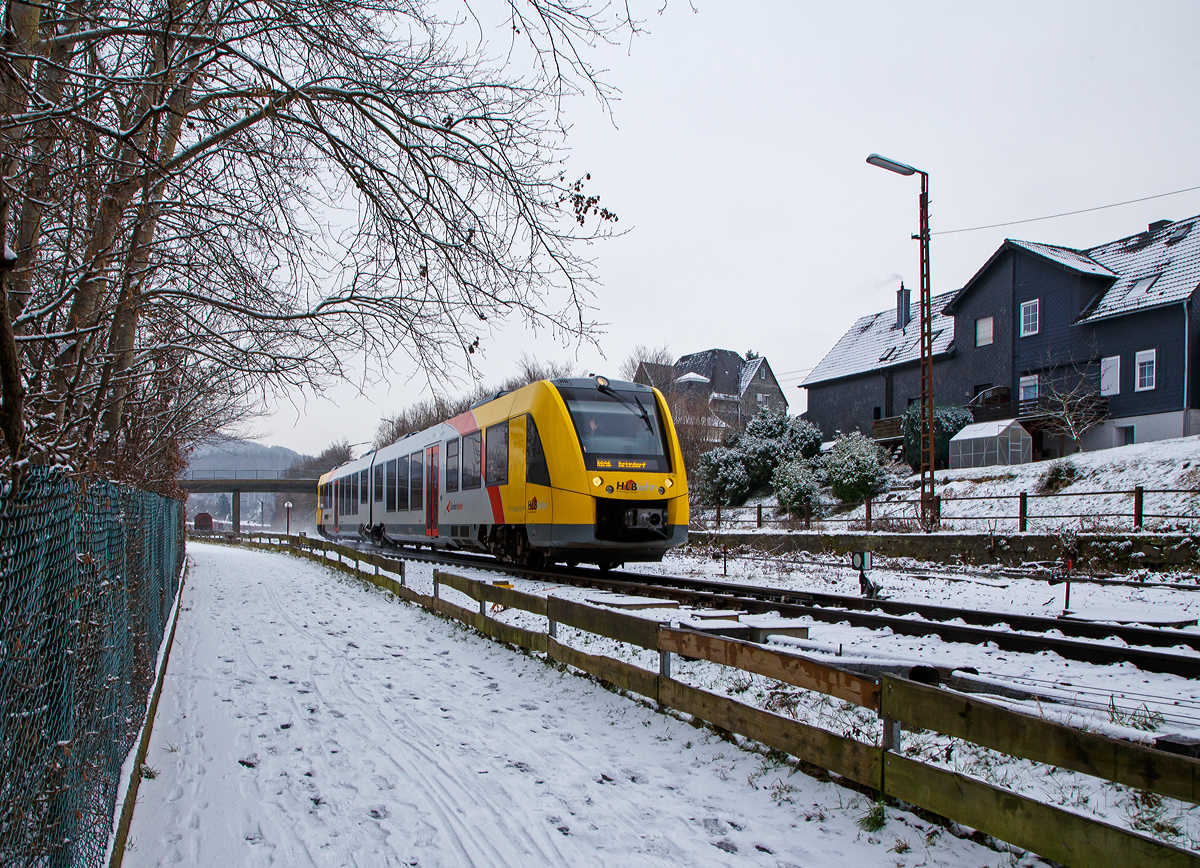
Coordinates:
[1110,375]
[991,332]
[1034,307]
[1149,358]
[1025,382]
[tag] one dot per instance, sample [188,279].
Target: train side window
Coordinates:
[391,486]
[354,494]
[378,471]
[401,485]
[416,479]
[536,470]
[364,489]
[495,467]
[472,447]
[451,465]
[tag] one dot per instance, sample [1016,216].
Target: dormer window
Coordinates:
[1140,288]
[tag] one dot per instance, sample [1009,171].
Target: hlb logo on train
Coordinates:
[535,504]
[630,485]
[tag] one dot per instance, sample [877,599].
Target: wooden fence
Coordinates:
[1050,831]
[885,513]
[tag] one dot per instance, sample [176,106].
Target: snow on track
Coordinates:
[307,719]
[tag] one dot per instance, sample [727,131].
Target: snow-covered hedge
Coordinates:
[721,477]
[947,421]
[796,485]
[727,475]
[856,468]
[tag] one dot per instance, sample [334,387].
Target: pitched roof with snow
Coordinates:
[722,367]
[749,372]
[1152,268]
[1148,270]
[874,343]
[1073,259]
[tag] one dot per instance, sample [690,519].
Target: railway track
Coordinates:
[1026,634]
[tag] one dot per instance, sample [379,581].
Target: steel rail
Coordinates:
[859,612]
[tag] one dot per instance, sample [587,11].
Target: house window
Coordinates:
[1110,375]
[1029,388]
[983,331]
[1144,362]
[1029,318]
[762,373]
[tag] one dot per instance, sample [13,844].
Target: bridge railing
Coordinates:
[234,474]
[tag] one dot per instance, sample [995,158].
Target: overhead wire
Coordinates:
[1067,213]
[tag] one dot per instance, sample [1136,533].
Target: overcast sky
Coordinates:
[735,160]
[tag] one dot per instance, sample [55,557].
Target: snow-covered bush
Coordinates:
[795,485]
[795,436]
[760,457]
[721,477]
[1058,476]
[856,468]
[947,421]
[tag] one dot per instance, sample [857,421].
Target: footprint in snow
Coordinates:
[250,762]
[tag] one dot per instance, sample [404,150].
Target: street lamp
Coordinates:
[288,507]
[262,511]
[928,516]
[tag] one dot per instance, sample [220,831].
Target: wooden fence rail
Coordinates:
[1061,835]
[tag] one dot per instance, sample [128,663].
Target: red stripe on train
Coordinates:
[497,505]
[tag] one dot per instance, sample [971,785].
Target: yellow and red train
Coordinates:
[571,470]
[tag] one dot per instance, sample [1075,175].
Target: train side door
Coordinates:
[432,472]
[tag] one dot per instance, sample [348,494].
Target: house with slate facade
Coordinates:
[733,388]
[1040,324]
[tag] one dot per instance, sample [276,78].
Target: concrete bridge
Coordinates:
[234,482]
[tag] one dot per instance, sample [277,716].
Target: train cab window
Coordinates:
[495,468]
[536,470]
[618,429]
[378,471]
[391,486]
[364,491]
[401,485]
[416,479]
[472,448]
[451,465]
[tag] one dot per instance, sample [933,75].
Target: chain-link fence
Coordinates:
[88,574]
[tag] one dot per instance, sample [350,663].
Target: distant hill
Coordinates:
[244,455]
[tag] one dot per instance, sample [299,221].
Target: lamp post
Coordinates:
[288,507]
[927,481]
[262,511]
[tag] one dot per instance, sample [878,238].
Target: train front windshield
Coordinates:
[618,430]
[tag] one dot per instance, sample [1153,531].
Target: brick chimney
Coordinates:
[903,306]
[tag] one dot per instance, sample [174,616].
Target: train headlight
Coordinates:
[597,481]
[602,382]
[670,483]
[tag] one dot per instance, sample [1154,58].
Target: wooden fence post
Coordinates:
[867,504]
[807,516]
[760,515]
[891,735]
[718,514]
[1138,493]
[1023,520]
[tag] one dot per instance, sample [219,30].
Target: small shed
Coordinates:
[202,521]
[1003,441]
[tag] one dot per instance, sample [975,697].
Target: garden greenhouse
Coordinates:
[983,444]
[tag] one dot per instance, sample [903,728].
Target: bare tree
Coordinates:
[422,415]
[661,356]
[1069,398]
[255,193]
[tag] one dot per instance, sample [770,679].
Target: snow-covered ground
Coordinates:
[984,499]
[308,719]
[1118,700]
